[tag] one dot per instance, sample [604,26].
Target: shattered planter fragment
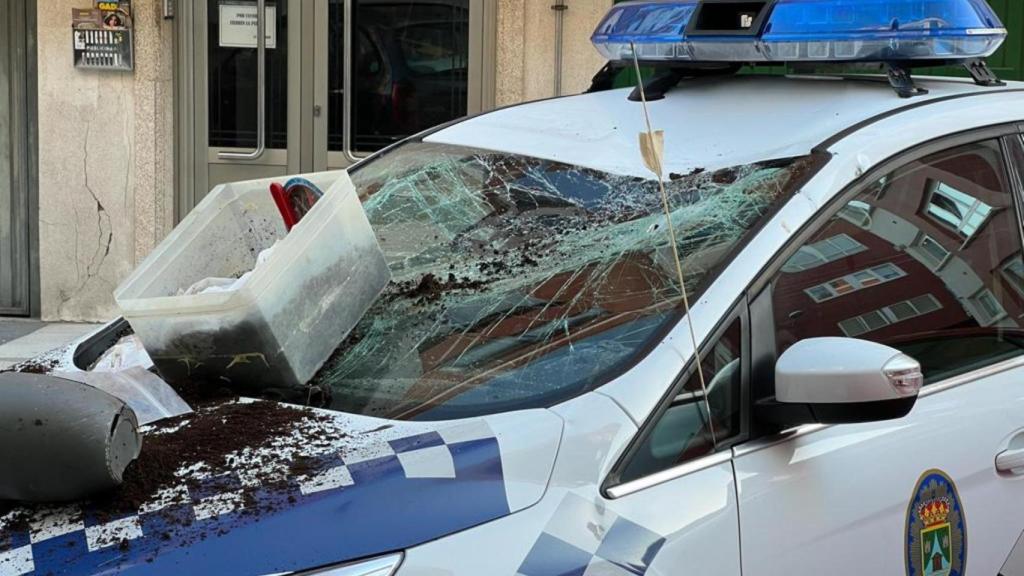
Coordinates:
[69,440]
[148,396]
[268,335]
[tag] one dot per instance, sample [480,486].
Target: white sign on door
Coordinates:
[238,25]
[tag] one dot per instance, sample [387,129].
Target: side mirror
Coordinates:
[841,381]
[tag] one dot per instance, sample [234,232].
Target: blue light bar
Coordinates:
[657,29]
[805,30]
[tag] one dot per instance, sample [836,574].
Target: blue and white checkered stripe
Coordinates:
[582,539]
[365,475]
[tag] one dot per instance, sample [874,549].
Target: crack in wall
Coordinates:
[104,239]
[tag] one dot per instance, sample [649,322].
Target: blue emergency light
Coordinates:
[792,31]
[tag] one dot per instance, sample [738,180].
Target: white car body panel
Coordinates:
[367,482]
[812,501]
[839,496]
[600,130]
[852,156]
[689,523]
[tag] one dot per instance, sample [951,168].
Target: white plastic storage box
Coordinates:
[278,328]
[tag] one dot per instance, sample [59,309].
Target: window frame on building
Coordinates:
[815,251]
[856,284]
[889,315]
[199,166]
[960,227]
[928,255]
[1014,279]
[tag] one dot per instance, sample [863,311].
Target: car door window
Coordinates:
[685,432]
[927,260]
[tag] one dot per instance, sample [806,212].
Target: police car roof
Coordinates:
[708,124]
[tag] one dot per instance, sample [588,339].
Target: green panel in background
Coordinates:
[1007,63]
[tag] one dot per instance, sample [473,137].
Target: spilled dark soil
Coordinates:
[18,523]
[35,366]
[199,393]
[430,288]
[209,436]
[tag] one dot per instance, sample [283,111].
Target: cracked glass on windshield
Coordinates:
[520,282]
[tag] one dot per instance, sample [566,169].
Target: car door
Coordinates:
[923,256]
[1013,271]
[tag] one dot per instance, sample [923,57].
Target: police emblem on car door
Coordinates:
[936,528]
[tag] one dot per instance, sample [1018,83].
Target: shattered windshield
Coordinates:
[520,282]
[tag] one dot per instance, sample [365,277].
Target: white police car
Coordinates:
[524,399]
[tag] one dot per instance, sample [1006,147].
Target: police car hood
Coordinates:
[336,487]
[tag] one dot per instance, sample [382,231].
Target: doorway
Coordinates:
[342,79]
[17,161]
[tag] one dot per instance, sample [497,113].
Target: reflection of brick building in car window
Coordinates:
[946,224]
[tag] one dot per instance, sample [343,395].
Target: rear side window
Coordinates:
[927,260]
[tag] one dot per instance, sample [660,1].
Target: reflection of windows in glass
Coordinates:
[432,47]
[930,252]
[888,271]
[1014,274]
[946,344]
[820,293]
[823,252]
[857,213]
[410,69]
[683,433]
[888,315]
[986,309]
[857,281]
[963,212]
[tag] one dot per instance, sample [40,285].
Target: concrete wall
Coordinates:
[106,187]
[526,48]
[105,162]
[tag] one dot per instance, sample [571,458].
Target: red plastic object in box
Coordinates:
[294,199]
[280,196]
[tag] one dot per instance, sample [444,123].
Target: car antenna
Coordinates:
[652,148]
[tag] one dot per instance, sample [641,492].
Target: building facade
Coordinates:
[100,164]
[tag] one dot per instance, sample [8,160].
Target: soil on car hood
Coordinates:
[211,438]
[208,443]
[292,487]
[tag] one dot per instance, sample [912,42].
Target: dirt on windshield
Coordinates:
[501,261]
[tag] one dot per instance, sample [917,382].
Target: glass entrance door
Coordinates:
[395,68]
[236,134]
[342,79]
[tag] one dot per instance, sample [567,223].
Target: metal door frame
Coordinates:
[21,57]
[307,79]
[483,23]
[195,155]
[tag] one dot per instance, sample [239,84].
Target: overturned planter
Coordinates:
[275,330]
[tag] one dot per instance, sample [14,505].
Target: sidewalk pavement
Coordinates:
[24,339]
